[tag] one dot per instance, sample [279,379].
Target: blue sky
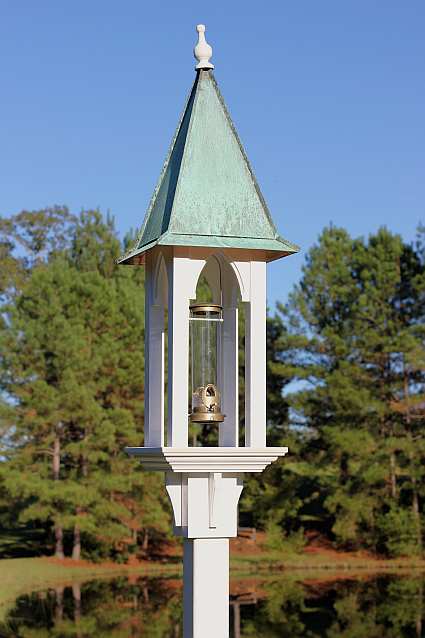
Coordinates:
[328,98]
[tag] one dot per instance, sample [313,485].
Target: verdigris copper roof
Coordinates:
[207,194]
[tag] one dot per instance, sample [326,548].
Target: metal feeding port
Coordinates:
[205,326]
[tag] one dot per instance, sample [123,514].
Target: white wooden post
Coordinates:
[154,362]
[255,359]
[183,275]
[204,484]
[178,359]
[206,588]
[229,429]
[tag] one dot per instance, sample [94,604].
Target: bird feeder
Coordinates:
[207,220]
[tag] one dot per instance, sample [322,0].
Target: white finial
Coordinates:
[202,51]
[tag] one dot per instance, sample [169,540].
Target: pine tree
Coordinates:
[72,372]
[355,346]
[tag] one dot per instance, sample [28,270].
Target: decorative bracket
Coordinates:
[212,477]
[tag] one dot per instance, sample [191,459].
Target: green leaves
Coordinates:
[345,390]
[72,378]
[353,347]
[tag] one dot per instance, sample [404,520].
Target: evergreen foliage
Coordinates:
[355,350]
[72,379]
[345,389]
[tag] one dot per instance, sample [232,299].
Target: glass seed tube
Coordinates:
[205,324]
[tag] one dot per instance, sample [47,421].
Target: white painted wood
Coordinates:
[208,459]
[212,479]
[154,362]
[178,371]
[184,503]
[148,302]
[183,275]
[229,429]
[173,485]
[242,271]
[205,505]
[206,588]
[205,484]
[255,359]
[212,498]
[156,376]
[202,50]
[235,255]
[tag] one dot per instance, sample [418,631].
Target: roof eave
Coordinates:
[271,249]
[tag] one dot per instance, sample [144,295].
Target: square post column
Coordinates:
[178,359]
[154,361]
[229,382]
[183,275]
[255,369]
[206,588]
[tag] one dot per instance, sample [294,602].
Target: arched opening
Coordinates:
[170,364]
[217,285]
[203,290]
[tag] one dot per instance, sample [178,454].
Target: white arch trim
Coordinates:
[160,288]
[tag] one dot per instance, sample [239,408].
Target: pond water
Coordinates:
[384,606]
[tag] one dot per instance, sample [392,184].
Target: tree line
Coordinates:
[345,390]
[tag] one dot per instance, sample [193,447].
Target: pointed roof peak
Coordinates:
[207,194]
[202,51]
